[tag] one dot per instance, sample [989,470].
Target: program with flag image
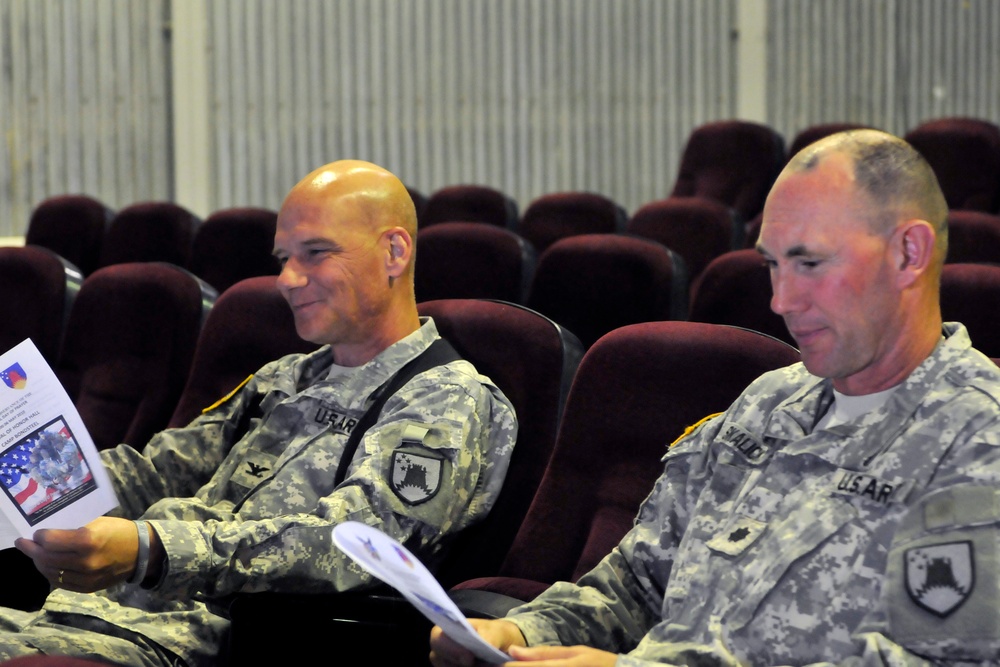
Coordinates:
[45,472]
[50,471]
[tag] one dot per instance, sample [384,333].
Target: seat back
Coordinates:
[249,325]
[532,360]
[470,203]
[633,394]
[128,348]
[965,156]
[733,162]
[37,288]
[73,226]
[233,244]
[970,294]
[470,260]
[559,215]
[973,237]
[735,289]
[594,283]
[697,229]
[150,232]
[814,133]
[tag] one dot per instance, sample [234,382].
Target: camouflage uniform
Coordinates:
[257,514]
[767,542]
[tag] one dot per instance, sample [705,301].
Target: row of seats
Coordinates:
[228,246]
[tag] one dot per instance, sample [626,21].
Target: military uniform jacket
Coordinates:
[769,542]
[253,513]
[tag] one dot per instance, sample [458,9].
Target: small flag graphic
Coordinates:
[14,377]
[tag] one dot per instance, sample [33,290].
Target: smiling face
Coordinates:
[341,256]
[832,276]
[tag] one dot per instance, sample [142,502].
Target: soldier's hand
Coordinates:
[91,558]
[499,633]
[562,656]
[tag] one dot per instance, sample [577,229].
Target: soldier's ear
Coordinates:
[399,250]
[913,242]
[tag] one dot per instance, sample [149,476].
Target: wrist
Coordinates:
[142,555]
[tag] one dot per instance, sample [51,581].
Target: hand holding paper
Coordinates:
[393,563]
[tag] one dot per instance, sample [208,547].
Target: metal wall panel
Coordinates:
[891,64]
[527,96]
[83,101]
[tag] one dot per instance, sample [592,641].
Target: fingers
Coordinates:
[447,653]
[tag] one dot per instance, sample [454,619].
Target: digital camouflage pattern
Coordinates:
[257,514]
[766,542]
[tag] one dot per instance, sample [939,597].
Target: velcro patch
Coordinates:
[416,474]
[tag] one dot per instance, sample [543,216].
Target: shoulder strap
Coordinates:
[439,353]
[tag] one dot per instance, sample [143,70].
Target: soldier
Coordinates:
[244,498]
[862,528]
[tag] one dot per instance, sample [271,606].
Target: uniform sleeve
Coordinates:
[432,465]
[614,605]
[176,462]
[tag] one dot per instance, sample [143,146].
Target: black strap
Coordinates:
[439,353]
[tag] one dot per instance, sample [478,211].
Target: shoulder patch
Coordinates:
[415,475]
[693,427]
[227,396]
[940,577]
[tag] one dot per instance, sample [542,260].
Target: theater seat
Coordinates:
[128,348]
[249,325]
[72,226]
[636,390]
[470,203]
[37,289]
[155,231]
[233,244]
[970,294]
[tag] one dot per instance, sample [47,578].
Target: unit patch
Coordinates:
[940,577]
[416,475]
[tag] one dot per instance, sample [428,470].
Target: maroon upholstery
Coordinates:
[533,361]
[814,133]
[635,391]
[973,237]
[233,244]
[594,283]
[555,216]
[37,288]
[73,226]
[249,325]
[470,203]
[752,230]
[733,162]
[128,348]
[970,294]
[699,230]
[470,260]
[965,156]
[150,232]
[735,289]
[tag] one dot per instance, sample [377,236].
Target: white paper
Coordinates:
[393,563]
[51,475]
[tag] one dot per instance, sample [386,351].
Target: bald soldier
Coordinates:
[864,526]
[244,498]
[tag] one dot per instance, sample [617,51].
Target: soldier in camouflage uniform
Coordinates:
[842,510]
[243,499]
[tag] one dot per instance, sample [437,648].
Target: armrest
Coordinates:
[483,604]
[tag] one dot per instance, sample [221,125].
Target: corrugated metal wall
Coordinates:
[530,96]
[84,99]
[887,63]
[527,96]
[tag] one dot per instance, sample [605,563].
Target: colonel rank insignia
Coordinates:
[940,577]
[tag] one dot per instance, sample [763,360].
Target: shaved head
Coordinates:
[898,181]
